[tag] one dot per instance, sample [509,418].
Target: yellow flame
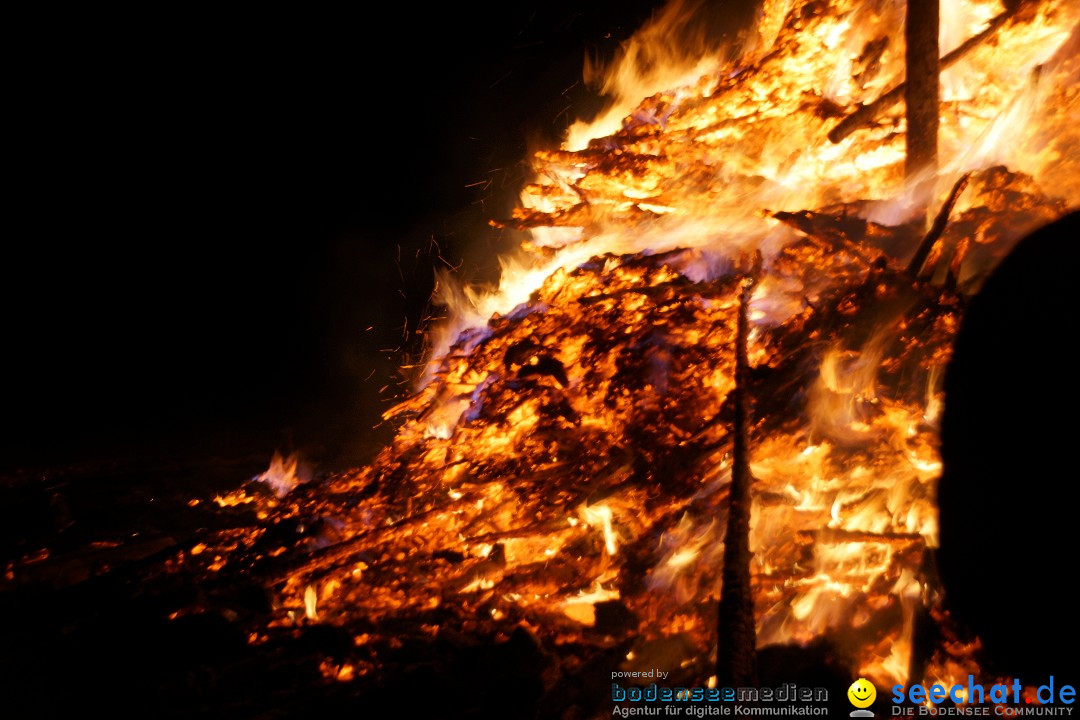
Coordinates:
[284,474]
[601,515]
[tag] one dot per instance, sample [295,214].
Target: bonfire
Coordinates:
[707,388]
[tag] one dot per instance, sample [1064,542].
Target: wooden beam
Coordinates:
[937,229]
[736,650]
[922,93]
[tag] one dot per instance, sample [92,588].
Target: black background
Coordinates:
[209,210]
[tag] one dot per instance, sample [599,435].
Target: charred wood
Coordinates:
[736,655]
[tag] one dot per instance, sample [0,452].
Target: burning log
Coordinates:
[937,229]
[952,278]
[736,655]
[922,91]
[855,536]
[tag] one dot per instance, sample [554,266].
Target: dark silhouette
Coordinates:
[1009,495]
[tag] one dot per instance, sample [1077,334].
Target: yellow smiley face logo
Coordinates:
[862,693]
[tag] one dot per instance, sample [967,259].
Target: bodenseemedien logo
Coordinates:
[786,699]
[862,694]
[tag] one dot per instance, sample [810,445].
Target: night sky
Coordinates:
[210,210]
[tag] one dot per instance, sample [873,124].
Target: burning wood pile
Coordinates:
[560,483]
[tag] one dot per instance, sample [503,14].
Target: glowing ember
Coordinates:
[311,601]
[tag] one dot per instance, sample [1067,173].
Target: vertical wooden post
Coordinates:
[923,87]
[736,651]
